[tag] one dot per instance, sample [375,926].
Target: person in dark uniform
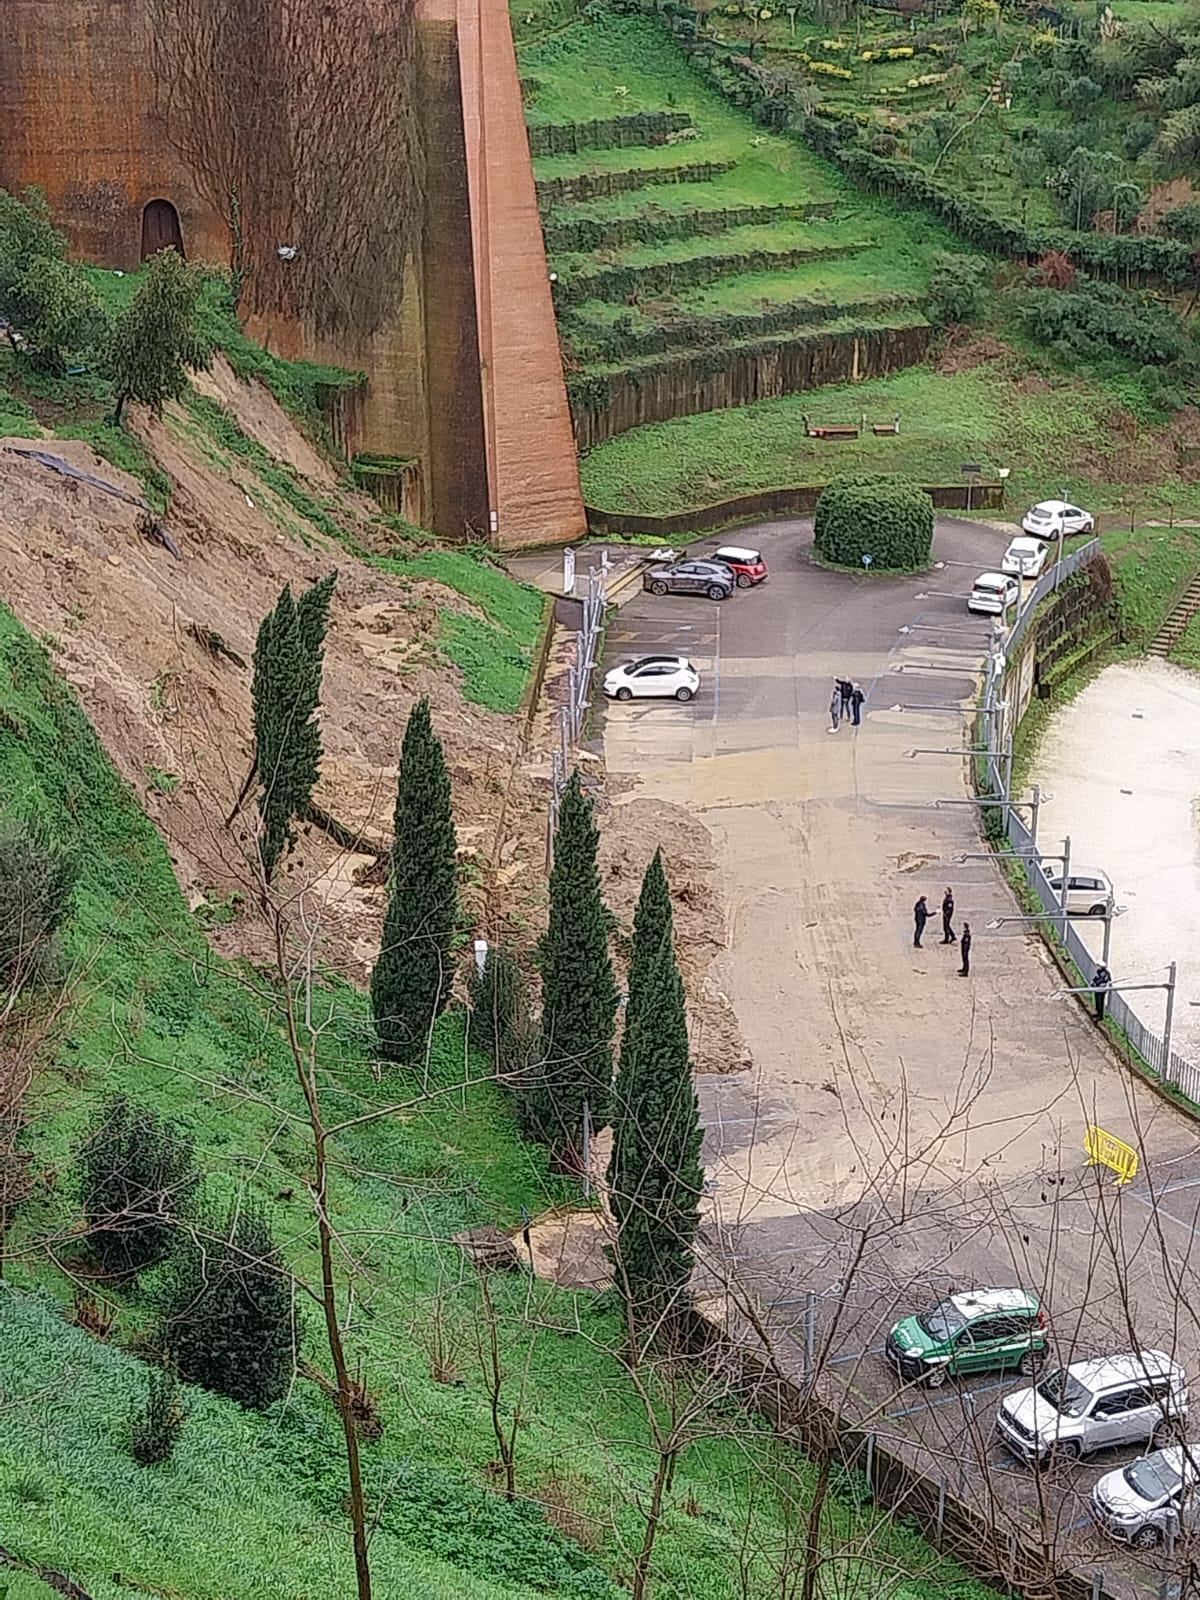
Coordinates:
[846,691]
[1101,984]
[965,947]
[920,918]
[948,934]
[856,700]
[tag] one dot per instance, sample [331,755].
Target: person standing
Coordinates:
[846,691]
[920,918]
[835,709]
[856,701]
[1101,984]
[948,934]
[965,948]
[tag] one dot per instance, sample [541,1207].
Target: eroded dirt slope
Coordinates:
[117,612]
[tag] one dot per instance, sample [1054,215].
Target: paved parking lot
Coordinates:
[903,1130]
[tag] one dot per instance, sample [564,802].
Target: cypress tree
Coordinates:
[228,1321]
[411,981]
[137,1177]
[499,1016]
[579,996]
[654,1174]
[279,676]
[289,660]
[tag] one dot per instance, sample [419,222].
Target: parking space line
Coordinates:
[948,1399]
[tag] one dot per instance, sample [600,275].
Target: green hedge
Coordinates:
[583,186]
[617,342]
[640,127]
[564,236]
[659,277]
[884,516]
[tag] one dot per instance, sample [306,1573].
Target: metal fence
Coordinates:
[997,733]
[572,714]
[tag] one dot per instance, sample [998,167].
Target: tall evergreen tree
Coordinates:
[411,981]
[654,1174]
[579,996]
[228,1320]
[289,658]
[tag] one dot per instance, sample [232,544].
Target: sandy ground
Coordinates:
[1120,769]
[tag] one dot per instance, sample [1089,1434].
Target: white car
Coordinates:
[1025,558]
[1153,1496]
[652,677]
[993,593]
[1089,891]
[1046,518]
[1096,1405]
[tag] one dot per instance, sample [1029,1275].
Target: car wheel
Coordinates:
[1069,1451]
[684,694]
[1147,1538]
[1031,1363]
[624,694]
[716,592]
[658,588]
[744,580]
[1165,1432]
[1097,911]
[936,1376]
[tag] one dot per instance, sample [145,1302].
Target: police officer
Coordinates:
[965,950]
[1101,984]
[948,934]
[920,918]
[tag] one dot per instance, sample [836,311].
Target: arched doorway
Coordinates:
[160,228]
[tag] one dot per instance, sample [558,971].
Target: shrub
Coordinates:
[886,517]
[228,1320]
[1056,270]
[500,1023]
[155,1426]
[43,296]
[137,1176]
[957,288]
[1103,322]
[37,888]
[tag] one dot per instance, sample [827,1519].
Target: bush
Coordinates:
[228,1320]
[37,887]
[886,517]
[137,1177]
[500,1023]
[957,288]
[1103,323]
[155,1426]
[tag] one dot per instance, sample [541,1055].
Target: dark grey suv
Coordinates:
[712,578]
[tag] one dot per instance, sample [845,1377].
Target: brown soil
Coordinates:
[965,350]
[1162,198]
[116,609]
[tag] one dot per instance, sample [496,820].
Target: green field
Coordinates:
[251,1505]
[1052,434]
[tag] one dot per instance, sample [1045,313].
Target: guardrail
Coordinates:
[1153,1048]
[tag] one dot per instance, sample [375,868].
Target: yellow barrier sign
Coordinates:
[1106,1150]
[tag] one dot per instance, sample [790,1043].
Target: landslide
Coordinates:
[254,506]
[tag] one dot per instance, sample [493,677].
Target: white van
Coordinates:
[1089,891]
[993,593]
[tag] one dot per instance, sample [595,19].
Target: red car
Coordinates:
[747,566]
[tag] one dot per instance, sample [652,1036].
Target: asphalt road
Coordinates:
[903,1130]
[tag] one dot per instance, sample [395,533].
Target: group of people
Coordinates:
[847,702]
[922,914]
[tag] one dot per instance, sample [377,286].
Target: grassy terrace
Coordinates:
[1053,435]
[660,255]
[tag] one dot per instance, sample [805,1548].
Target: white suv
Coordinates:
[1095,1405]
[993,593]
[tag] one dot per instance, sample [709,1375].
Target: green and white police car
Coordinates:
[977,1330]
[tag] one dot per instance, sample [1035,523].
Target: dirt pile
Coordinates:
[125,623]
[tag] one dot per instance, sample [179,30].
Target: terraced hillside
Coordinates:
[700,262]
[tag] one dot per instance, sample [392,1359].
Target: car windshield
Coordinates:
[1064,1393]
[1153,1477]
[943,1322]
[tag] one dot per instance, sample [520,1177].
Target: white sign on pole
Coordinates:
[568,571]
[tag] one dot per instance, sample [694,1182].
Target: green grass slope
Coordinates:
[686,256]
[251,1507]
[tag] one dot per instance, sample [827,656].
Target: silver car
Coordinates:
[1150,1498]
[1137,1398]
